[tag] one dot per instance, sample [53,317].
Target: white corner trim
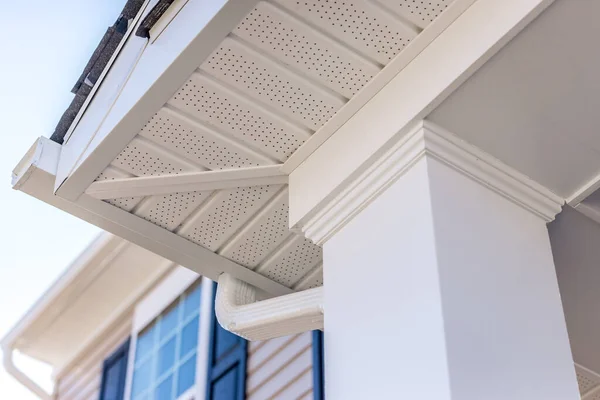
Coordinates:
[240,310]
[43,154]
[584,191]
[187,182]
[426,139]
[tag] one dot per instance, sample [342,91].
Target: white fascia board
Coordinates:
[414,92]
[75,272]
[39,182]
[188,182]
[160,70]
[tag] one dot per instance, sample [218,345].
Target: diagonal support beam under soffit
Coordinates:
[187,182]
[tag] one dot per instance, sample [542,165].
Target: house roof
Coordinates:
[96,64]
[253,88]
[94,291]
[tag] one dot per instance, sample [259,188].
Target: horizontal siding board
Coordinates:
[297,388]
[307,396]
[268,350]
[283,378]
[82,380]
[99,351]
[273,365]
[280,368]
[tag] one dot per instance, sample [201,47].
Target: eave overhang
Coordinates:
[188,142]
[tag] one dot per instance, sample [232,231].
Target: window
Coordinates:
[164,365]
[113,374]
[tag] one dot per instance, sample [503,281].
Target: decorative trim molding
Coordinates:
[427,139]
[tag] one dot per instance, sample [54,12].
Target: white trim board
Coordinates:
[445,64]
[426,139]
[36,175]
[187,182]
[163,68]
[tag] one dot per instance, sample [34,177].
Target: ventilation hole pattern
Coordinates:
[227,213]
[318,281]
[194,143]
[312,280]
[288,267]
[421,12]
[124,203]
[595,396]
[294,44]
[273,85]
[140,160]
[586,381]
[356,23]
[170,210]
[266,233]
[205,101]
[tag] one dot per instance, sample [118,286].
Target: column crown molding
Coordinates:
[425,139]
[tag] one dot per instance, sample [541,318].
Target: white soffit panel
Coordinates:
[276,79]
[589,382]
[419,12]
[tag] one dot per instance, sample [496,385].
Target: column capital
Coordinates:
[424,140]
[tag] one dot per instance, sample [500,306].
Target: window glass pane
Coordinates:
[166,356]
[189,337]
[164,391]
[142,377]
[168,321]
[186,376]
[191,303]
[145,342]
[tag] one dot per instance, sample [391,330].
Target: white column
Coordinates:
[439,280]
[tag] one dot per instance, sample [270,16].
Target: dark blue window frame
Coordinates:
[118,359]
[318,365]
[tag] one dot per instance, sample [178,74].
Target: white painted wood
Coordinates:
[115,74]
[163,67]
[464,296]
[444,65]
[426,140]
[584,191]
[397,64]
[164,21]
[187,182]
[36,175]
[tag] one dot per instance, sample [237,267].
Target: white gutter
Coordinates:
[11,369]
[240,309]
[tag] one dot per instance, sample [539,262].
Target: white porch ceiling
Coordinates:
[535,104]
[277,78]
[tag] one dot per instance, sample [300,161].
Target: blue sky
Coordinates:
[45,45]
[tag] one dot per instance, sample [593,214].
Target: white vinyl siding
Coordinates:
[82,380]
[280,368]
